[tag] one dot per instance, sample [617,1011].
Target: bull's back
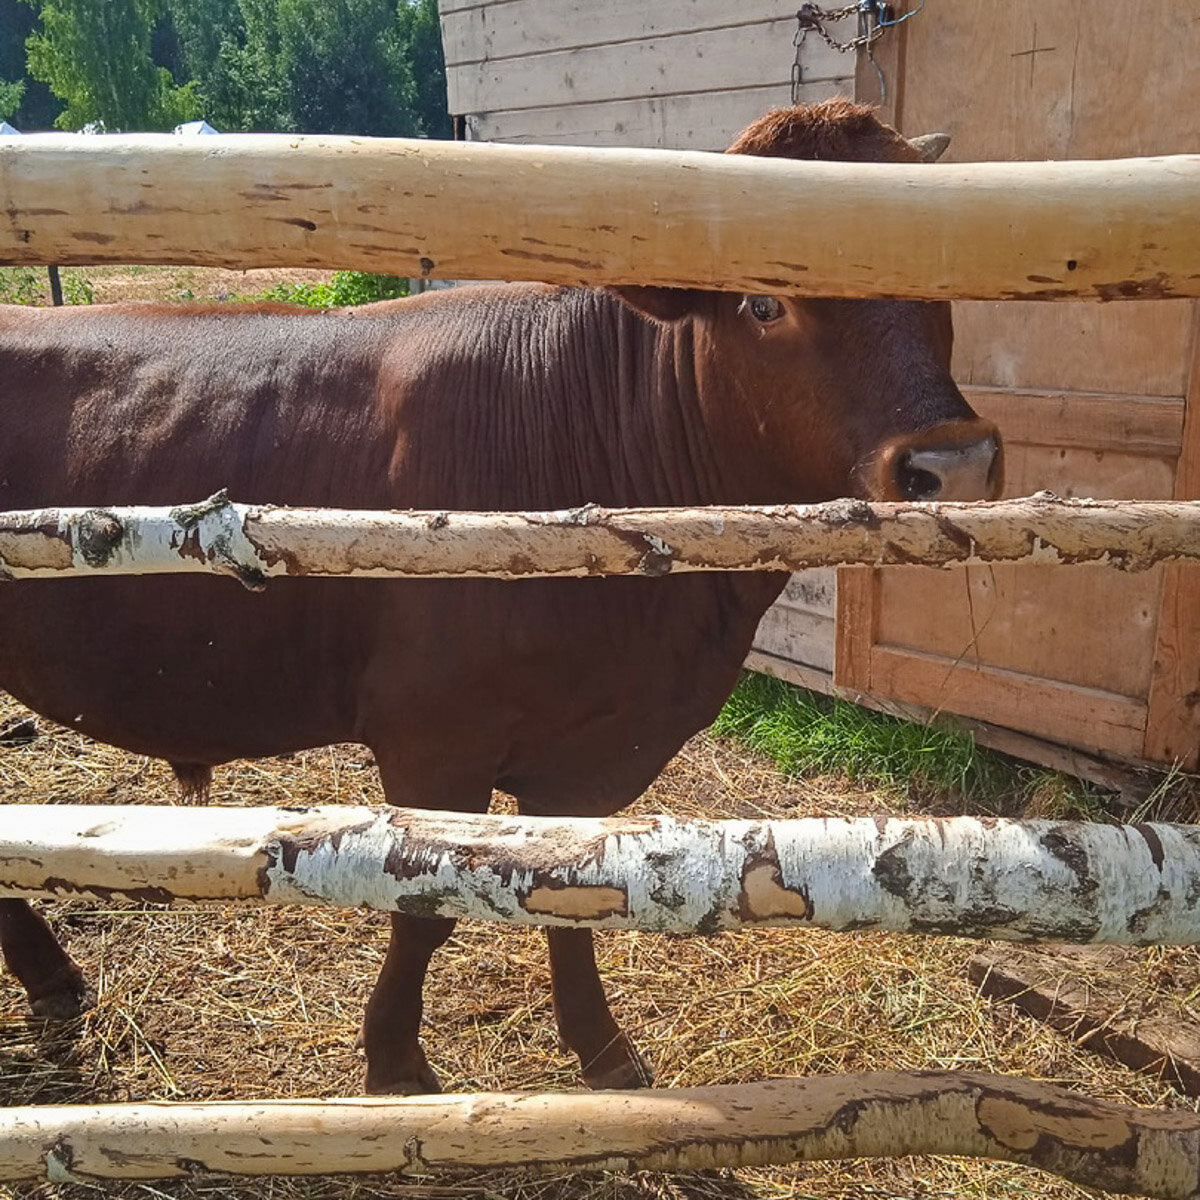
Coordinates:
[147,404]
[141,404]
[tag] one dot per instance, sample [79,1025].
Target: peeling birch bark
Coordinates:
[254,543]
[1041,230]
[966,876]
[1112,1147]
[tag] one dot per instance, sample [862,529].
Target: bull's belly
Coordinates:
[184,669]
[569,694]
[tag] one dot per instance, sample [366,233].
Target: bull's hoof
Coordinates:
[622,1068]
[422,1082]
[65,1001]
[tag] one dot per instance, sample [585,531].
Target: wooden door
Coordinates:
[1092,399]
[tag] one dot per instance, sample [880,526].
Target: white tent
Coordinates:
[195,127]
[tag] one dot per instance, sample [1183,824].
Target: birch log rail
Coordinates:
[882,1115]
[967,876]
[1106,230]
[254,543]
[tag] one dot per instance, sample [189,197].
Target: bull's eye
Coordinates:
[765,308]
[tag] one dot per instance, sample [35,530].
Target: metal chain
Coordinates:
[874,19]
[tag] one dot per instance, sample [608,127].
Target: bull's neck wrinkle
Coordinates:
[551,399]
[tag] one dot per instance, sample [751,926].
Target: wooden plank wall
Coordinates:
[1092,400]
[677,74]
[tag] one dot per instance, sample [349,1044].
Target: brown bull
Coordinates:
[569,694]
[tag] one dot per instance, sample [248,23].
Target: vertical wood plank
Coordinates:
[858,587]
[889,58]
[857,592]
[1173,715]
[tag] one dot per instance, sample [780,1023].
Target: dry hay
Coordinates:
[222,1004]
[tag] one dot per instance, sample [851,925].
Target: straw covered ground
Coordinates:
[238,1004]
[223,1004]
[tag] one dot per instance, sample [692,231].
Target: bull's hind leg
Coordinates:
[607,1058]
[52,981]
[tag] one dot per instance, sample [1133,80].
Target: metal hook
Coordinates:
[884,23]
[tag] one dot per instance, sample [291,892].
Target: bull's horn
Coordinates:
[930,146]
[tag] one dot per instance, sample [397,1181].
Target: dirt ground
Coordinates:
[210,1003]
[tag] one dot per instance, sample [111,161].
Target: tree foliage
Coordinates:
[26,102]
[421,38]
[11,95]
[354,46]
[96,57]
[312,66]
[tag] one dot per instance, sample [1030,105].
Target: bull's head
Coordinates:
[815,398]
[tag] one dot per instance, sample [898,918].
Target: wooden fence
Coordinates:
[1116,230]
[982,878]
[255,543]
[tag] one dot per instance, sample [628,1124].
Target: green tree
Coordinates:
[344,69]
[312,66]
[421,43]
[96,57]
[10,97]
[231,49]
[27,103]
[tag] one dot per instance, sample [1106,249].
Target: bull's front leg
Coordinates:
[54,984]
[607,1058]
[396,1064]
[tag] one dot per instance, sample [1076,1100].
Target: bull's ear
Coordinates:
[930,146]
[659,303]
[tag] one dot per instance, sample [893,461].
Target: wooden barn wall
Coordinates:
[676,74]
[1092,399]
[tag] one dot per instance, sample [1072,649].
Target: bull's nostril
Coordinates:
[915,482]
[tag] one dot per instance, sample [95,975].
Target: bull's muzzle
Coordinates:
[957,460]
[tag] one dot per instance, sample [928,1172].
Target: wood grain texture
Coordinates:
[1083,993]
[521,29]
[879,1115]
[798,635]
[1173,724]
[1126,349]
[1075,79]
[857,615]
[1076,716]
[1057,626]
[1129,425]
[566,215]
[731,57]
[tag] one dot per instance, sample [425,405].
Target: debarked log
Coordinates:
[1109,230]
[255,542]
[1112,1147]
[967,876]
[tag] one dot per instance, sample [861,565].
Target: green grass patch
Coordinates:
[31,285]
[804,733]
[344,288]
